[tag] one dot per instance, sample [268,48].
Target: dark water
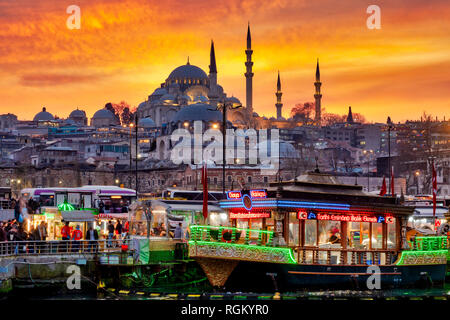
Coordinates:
[396,294]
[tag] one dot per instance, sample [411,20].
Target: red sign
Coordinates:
[234,195]
[344,217]
[249,214]
[255,194]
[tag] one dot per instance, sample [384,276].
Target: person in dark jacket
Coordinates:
[119,228]
[92,236]
[110,233]
[2,239]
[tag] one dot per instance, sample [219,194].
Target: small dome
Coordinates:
[159,92]
[201,99]
[103,114]
[43,115]
[167,97]
[198,111]
[146,123]
[77,114]
[187,71]
[233,100]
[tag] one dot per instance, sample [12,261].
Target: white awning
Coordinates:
[78,216]
[427,211]
[194,207]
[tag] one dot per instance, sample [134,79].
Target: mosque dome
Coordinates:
[167,97]
[198,111]
[159,92]
[233,100]
[146,123]
[77,114]
[187,71]
[43,115]
[103,114]
[201,99]
[286,150]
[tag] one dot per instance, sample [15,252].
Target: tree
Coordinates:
[303,112]
[329,119]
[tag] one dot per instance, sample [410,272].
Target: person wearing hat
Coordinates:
[77,235]
[334,235]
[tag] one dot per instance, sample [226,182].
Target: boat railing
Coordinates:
[344,256]
[429,243]
[232,235]
[58,247]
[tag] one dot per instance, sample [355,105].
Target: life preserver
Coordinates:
[224,231]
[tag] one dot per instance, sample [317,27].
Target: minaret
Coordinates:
[212,95]
[279,105]
[249,73]
[318,97]
[350,115]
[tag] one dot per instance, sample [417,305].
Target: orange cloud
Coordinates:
[125,49]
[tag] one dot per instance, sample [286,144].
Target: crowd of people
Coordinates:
[14,232]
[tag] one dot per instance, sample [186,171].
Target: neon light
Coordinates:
[66,207]
[193,227]
[413,257]
[234,195]
[247,202]
[341,217]
[389,219]
[286,252]
[247,215]
[258,194]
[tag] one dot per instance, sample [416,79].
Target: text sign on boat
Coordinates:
[344,217]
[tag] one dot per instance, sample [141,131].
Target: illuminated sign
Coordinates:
[247,215]
[258,194]
[344,217]
[234,195]
[247,202]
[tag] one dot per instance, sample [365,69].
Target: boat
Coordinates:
[315,232]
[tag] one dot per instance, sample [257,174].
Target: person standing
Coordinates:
[65,233]
[178,234]
[2,239]
[92,236]
[110,233]
[77,235]
[119,229]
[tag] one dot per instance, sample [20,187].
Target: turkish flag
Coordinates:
[205,191]
[383,187]
[434,190]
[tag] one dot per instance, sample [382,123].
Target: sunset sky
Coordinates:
[125,49]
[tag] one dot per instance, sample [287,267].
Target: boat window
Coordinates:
[391,234]
[358,235]
[377,235]
[293,229]
[329,233]
[310,232]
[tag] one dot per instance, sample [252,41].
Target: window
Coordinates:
[229,178]
[293,229]
[358,235]
[391,235]
[377,235]
[266,179]
[329,233]
[310,232]
[249,179]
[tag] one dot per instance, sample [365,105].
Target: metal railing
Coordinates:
[232,235]
[340,256]
[17,248]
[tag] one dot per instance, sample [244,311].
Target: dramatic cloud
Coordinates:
[125,49]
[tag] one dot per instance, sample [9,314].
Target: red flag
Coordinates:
[205,191]
[392,182]
[434,190]
[383,187]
